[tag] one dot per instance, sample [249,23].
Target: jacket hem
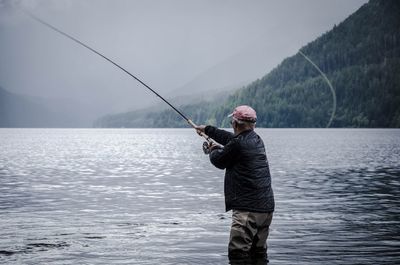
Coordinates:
[246,209]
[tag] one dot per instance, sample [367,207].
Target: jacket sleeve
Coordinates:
[226,156]
[221,136]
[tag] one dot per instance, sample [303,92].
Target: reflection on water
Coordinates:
[71,196]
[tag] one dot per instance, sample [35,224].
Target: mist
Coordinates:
[177,47]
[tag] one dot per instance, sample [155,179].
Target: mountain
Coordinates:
[148,117]
[189,96]
[18,111]
[360,57]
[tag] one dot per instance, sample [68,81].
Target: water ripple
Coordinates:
[71,196]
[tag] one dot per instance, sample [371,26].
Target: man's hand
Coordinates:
[208,147]
[212,146]
[200,129]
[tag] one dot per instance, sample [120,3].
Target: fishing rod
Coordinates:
[209,140]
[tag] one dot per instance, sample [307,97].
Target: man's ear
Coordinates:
[234,124]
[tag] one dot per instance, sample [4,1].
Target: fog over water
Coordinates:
[175,46]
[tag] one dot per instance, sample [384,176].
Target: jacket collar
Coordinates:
[244,132]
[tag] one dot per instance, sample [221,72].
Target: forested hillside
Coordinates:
[360,57]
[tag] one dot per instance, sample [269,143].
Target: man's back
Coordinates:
[247,176]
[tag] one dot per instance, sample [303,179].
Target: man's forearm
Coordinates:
[221,136]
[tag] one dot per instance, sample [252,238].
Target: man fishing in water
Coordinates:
[248,191]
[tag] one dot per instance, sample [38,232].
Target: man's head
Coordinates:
[243,118]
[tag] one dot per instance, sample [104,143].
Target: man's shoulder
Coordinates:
[247,135]
[249,139]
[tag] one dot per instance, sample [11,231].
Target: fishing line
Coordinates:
[329,84]
[37,19]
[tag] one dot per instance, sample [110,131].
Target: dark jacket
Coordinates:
[247,176]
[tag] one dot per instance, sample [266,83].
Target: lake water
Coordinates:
[150,196]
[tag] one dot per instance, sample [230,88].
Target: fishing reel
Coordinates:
[206,148]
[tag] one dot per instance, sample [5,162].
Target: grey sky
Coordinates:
[173,45]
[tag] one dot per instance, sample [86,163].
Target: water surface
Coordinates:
[150,196]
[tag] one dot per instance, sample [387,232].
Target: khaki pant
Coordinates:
[249,233]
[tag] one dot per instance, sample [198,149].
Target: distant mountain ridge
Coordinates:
[22,111]
[361,58]
[142,117]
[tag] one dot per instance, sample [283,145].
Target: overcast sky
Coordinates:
[169,44]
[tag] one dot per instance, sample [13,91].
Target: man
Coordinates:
[248,191]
